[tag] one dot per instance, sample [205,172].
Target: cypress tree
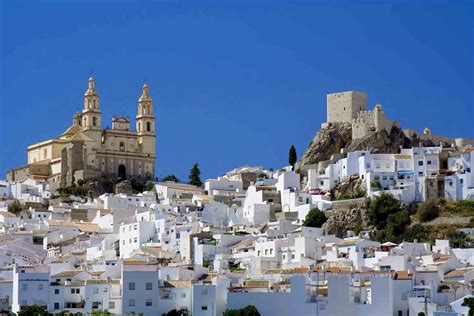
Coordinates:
[292,158]
[194,175]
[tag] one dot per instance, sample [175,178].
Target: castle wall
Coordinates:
[344,106]
[436,139]
[368,121]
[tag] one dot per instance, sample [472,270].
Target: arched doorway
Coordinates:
[122,172]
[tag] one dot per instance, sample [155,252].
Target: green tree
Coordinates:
[428,210]
[469,302]
[397,223]
[171,177]
[249,310]
[315,218]
[292,158]
[15,207]
[194,176]
[33,310]
[380,208]
[419,232]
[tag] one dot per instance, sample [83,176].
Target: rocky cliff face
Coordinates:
[330,140]
[350,187]
[339,221]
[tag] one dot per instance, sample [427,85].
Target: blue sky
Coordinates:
[233,82]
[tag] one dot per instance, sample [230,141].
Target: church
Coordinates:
[85,150]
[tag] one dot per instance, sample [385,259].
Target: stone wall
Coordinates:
[368,121]
[436,139]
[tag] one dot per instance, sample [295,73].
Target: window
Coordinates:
[271,251]
[131,302]
[148,302]
[420,163]
[376,178]
[404,296]
[56,291]
[131,286]
[95,290]
[293,256]
[204,307]
[420,173]
[45,153]
[266,252]
[204,292]
[428,162]
[94,121]
[24,287]
[183,295]
[149,286]
[385,177]
[135,240]
[122,146]
[95,305]
[148,126]
[56,305]
[111,305]
[123,242]
[391,178]
[284,257]
[135,227]
[73,291]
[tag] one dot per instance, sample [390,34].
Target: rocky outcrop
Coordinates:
[328,141]
[350,187]
[339,221]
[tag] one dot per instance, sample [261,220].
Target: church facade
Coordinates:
[85,150]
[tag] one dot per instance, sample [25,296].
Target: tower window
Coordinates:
[122,146]
[148,126]
[139,126]
[94,121]
[85,121]
[95,104]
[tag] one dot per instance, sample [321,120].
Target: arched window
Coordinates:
[95,104]
[122,146]
[148,126]
[94,121]
[85,121]
[139,126]
[89,103]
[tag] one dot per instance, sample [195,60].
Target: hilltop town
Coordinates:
[373,219]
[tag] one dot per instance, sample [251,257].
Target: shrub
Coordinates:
[249,310]
[315,218]
[15,207]
[149,186]
[428,210]
[469,302]
[376,185]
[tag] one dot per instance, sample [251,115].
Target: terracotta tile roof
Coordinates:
[67,273]
[457,272]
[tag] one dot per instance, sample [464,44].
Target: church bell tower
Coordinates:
[91,114]
[146,122]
